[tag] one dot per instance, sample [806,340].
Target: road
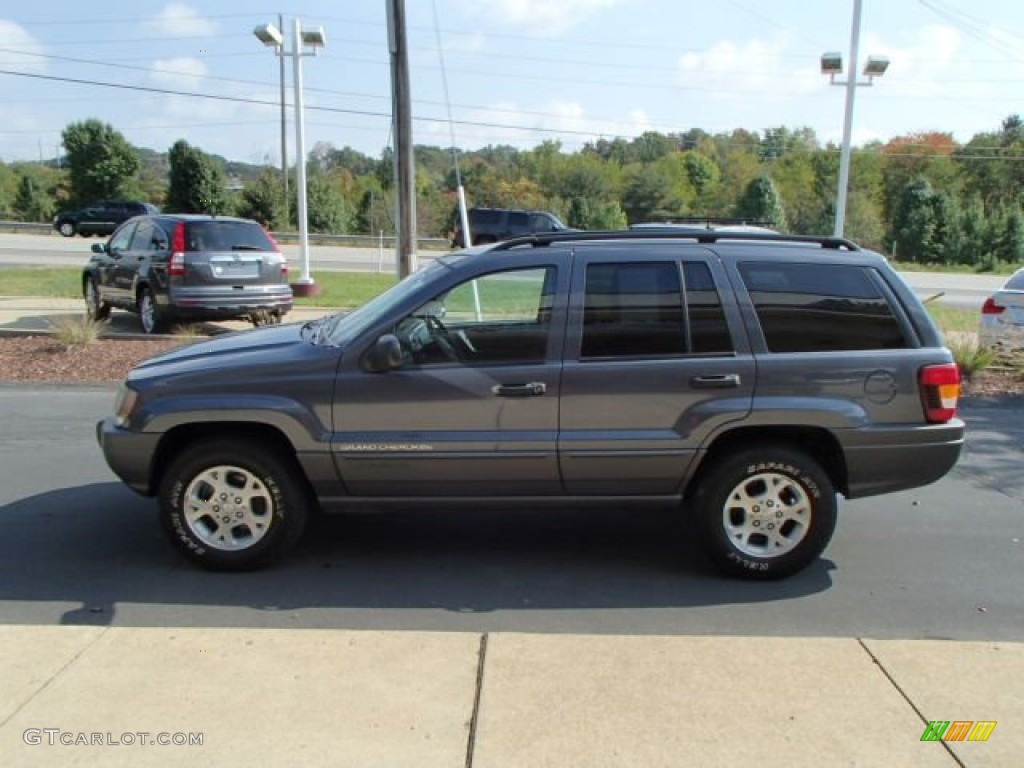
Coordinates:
[965,291]
[79,548]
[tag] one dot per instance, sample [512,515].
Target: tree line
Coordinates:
[922,197]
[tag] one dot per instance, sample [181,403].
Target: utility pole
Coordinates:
[405,168]
[284,135]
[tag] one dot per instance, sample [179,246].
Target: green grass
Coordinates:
[953,319]
[338,289]
[59,282]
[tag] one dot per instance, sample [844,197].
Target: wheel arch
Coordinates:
[177,439]
[818,443]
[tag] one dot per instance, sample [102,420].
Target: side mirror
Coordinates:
[99,247]
[385,355]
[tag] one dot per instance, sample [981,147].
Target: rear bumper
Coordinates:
[228,303]
[884,460]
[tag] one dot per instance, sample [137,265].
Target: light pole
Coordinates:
[832,65]
[312,39]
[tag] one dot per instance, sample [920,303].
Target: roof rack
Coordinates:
[709,236]
[708,221]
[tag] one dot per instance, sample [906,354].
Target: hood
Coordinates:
[256,347]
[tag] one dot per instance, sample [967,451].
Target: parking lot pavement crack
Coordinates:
[475,719]
[49,681]
[906,698]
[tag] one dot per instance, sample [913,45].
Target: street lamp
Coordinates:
[832,65]
[313,39]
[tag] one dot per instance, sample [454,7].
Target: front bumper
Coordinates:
[129,454]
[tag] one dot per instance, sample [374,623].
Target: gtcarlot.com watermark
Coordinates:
[54,737]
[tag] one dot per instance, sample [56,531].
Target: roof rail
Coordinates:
[708,221]
[710,236]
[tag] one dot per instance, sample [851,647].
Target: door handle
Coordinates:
[533,389]
[717,381]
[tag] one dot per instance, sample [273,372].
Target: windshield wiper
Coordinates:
[242,247]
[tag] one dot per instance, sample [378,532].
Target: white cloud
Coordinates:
[180,20]
[540,17]
[182,72]
[21,51]
[748,72]
[509,123]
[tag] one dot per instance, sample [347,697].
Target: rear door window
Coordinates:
[820,307]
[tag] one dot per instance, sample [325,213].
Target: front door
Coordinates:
[473,410]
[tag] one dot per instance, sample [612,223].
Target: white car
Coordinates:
[1002,316]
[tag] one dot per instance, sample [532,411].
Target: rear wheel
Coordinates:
[151,317]
[67,228]
[233,505]
[95,307]
[765,513]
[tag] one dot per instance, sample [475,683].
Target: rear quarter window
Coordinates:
[820,307]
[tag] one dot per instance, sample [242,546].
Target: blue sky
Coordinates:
[518,71]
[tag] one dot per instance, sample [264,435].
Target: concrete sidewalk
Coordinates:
[365,699]
[29,315]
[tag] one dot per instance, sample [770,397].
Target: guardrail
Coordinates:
[315,238]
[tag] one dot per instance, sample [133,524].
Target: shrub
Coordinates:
[77,330]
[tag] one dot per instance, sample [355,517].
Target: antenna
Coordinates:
[467,236]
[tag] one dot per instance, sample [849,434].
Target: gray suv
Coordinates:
[182,267]
[745,379]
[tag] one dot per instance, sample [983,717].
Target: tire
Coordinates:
[67,228]
[95,307]
[151,317]
[247,534]
[764,513]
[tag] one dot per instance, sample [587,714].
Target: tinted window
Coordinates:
[485,219]
[518,221]
[632,310]
[226,236]
[540,222]
[709,331]
[820,308]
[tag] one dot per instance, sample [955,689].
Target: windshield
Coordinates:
[340,330]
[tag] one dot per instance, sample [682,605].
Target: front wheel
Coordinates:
[230,505]
[765,513]
[95,307]
[67,228]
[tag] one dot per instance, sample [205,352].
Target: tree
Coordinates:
[32,203]
[328,211]
[101,163]
[196,181]
[761,202]
[648,194]
[262,201]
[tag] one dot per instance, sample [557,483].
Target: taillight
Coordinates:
[176,266]
[277,248]
[991,308]
[940,390]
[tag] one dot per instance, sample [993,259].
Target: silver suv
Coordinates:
[744,379]
[182,267]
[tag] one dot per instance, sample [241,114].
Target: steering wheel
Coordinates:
[443,338]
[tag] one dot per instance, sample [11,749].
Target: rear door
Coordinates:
[656,360]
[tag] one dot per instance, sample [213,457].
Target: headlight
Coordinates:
[124,404]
